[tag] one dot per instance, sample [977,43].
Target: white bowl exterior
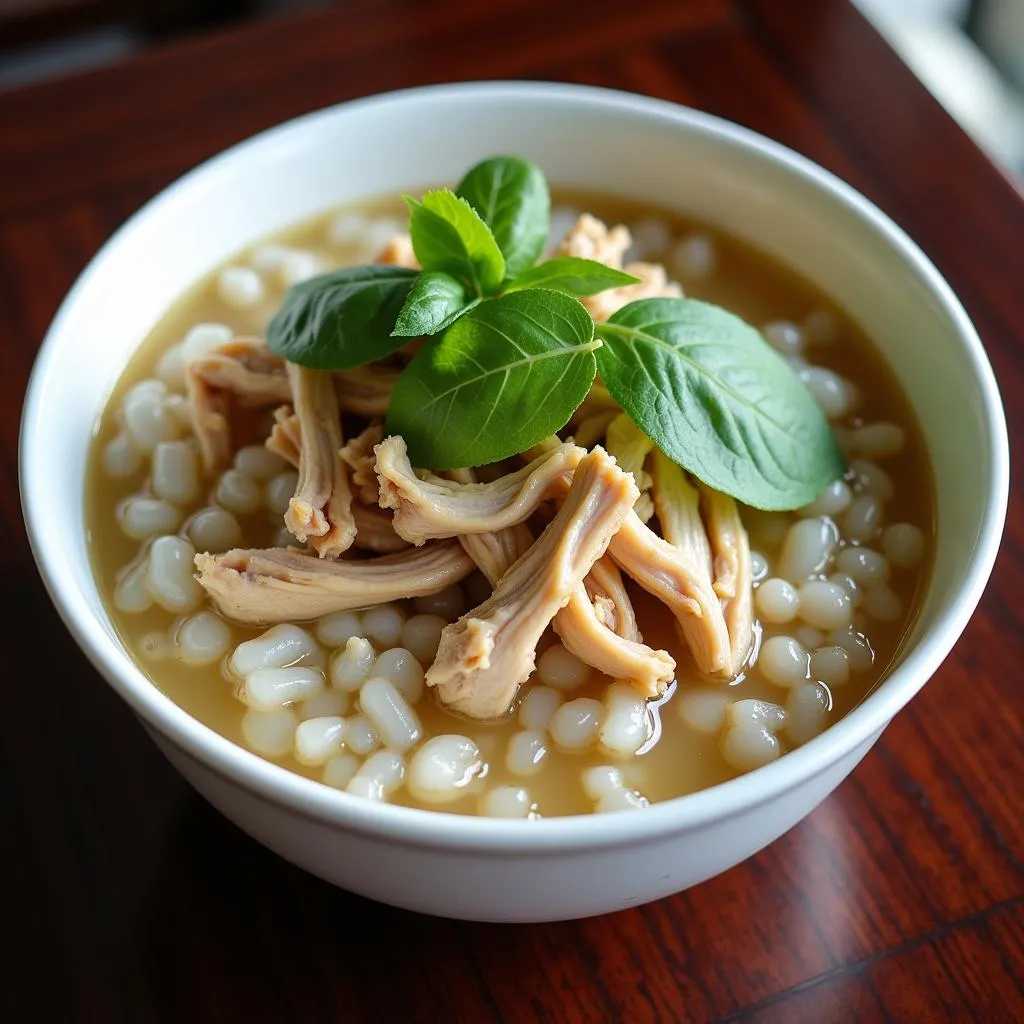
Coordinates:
[539,885]
[726,175]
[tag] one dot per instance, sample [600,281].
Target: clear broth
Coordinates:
[682,760]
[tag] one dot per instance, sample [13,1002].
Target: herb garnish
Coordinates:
[716,398]
[511,352]
[507,374]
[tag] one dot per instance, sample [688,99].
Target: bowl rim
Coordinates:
[435,828]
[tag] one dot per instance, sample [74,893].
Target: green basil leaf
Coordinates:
[341,319]
[435,298]
[511,196]
[718,400]
[452,317]
[501,378]
[448,235]
[572,275]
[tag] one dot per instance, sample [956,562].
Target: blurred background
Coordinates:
[969,53]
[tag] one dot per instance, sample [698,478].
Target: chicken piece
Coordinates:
[545,447]
[430,506]
[359,456]
[262,587]
[644,508]
[590,239]
[374,530]
[598,624]
[631,447]
[733,573]
[677,503]
[587,625]
[211,421]
[486,655]
[618,650]
[398,252]
[590,429]
[320,511]
[240,372]
[442,508]
[654,283]
[247,369]
[703,625]
[285,436]
[608,592]
[494,553]
[662,570]
[366,390]
[598,400]
[604,609]
[583,633]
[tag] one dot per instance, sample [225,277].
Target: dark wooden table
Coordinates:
[127,899]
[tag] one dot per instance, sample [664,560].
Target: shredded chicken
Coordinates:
[440,508]
[705,526]
[246,368]
[590,239]
[677,503]
[248,371]
[570,577]
[433,507]
[374,531]
[359,456]
[591,429]
[286,435]
[241,371]
[598,400]
[631,447]
[608,592]
[661,569]
[366,390]
[398,252]
[545,447]
[320,511]
[597,625]
[644,508]
[262,587]
[245,373]
[584,632]
[211,420]
[654,283]
[486,655]
[678,569]
[733,575]
[494,553]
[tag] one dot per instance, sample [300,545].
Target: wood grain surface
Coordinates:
[127,899]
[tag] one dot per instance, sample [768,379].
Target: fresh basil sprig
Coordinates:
[435,300]
[717,399]
[512,352]
[504,376]
[511,196]
[342,319]
[572,275]
[449,235]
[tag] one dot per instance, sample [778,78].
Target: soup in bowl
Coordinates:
[564,488]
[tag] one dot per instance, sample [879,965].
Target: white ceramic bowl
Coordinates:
[477,867]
